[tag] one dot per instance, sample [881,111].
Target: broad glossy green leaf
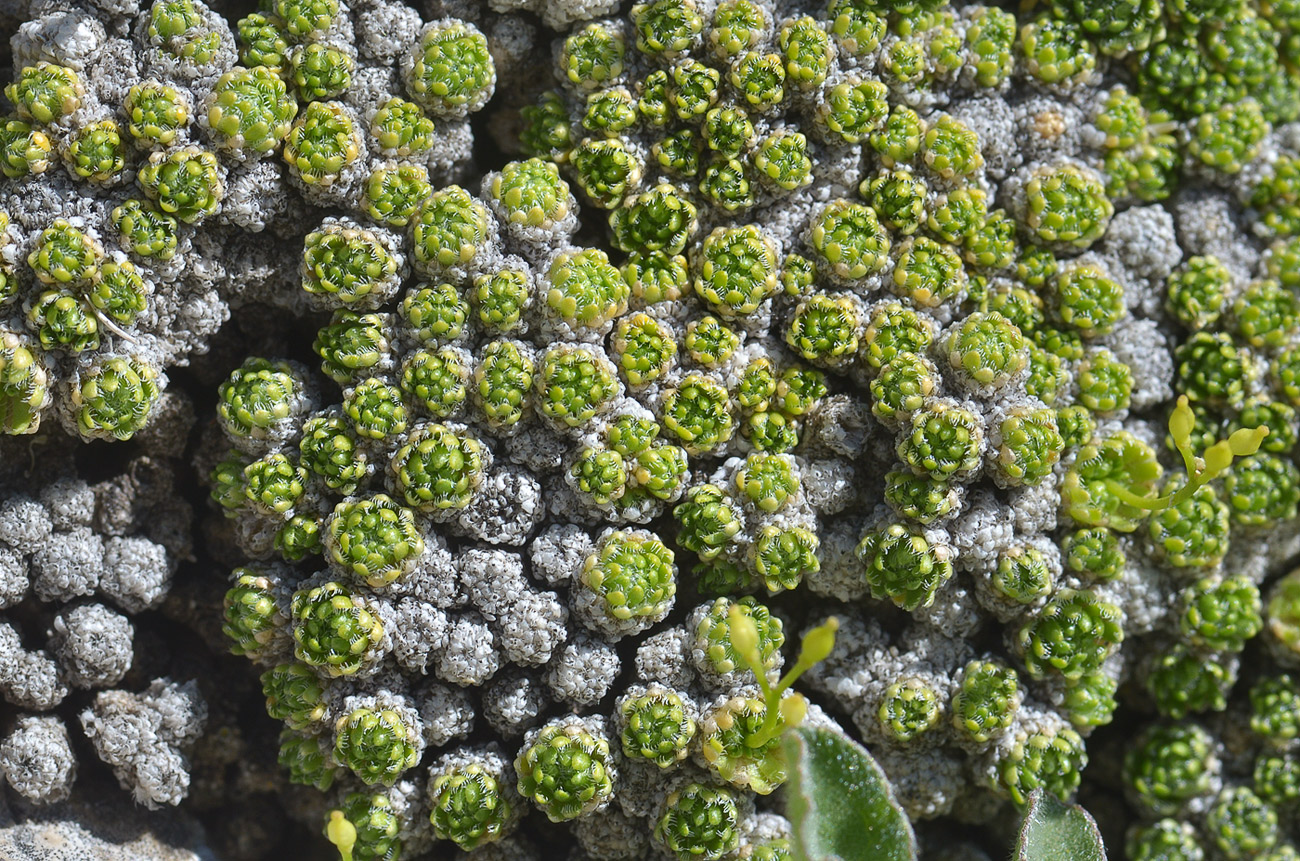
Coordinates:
[1056,831]
[840,803]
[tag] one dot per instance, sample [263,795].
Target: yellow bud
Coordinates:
[342,833]
[1181,422]
[1247,441]
[793,710]
[744,637]
[1218,457]
[818,643]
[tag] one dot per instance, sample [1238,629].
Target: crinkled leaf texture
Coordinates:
[840,803]
[1056,831]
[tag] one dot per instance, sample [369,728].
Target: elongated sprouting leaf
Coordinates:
[1055,831]
[840,803]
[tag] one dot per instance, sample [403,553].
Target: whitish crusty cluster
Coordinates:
[77,562]
[155,156]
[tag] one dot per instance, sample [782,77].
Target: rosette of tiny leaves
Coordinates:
[783,556]
[1171,764]
[699,821]
[708,519]
[299,537]
[632,575]
[651,105]
[155,113]
[377,745]
[709,342]
[1066,205]
[988,349]
[901,564]
[993,245]
[376,409]
[943,441]
[1197,291]
[95,152]
[64,256]
[1029,446]
[45,93]
[450,71]
[1262,489]
[727,131]
[1056,51]
[24,389]
[1183,681]
[1229,137]
[824,329]
[928,272]
[904,63]
[1022,574]
[145,231]
[798,274]
[767,480]
[257,398]
[329,450]
[799,389]
[848,241]
[661,219]
[1048,759]
[910,707]
[857,27]
[1093,552]
[1241,824]
[666,29]
[251,616]
[400,128]
[308,759]
[1090,702]
[251,109]
[566,771]
[320,71]
[584,289]
[574,384]
[950,149]
[351,345]
[531,193]
[227,480]
[713,635]
[306,20]
[1284,613]
[437,469]
[434,313]
[436,382]
[1047,377]
[593,57]
[374,540]
[1105,383]
[697,411]
[678,153]
[450,229]
[120,294]
[900,138]
[63,322]
[757,385]
[986,700]
[729,736]
[660,471]
[643,348]
[274,484]
[261,42]
[606,170]
[1281,419]
[1275,708]
[898,197]
[917,497]
[376,824]
[1282,261]
[781,161]
[186,183]
[322,141]
[1276,778]
[736,270]
[990,36]
[1072,636]
[737,25]
[853,108]
[1120,461]
[503,380]
[656,726]
[656,277]
[726,184]
[23,149]
[1220,613]
[771,432]
[631,435]
[1193,533]
[335,630]
[1265,314]
[1275,197]
[500,298]
[956,216]
[294,694]
[1085,299]
[393,194]
[600,475]
[893,328]
[1165,840]
[470,805]
[808,52]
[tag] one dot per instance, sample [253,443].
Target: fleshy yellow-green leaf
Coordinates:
[1056,831]
[839,802]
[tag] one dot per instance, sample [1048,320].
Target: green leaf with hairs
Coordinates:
[1056,831]
[840,803]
